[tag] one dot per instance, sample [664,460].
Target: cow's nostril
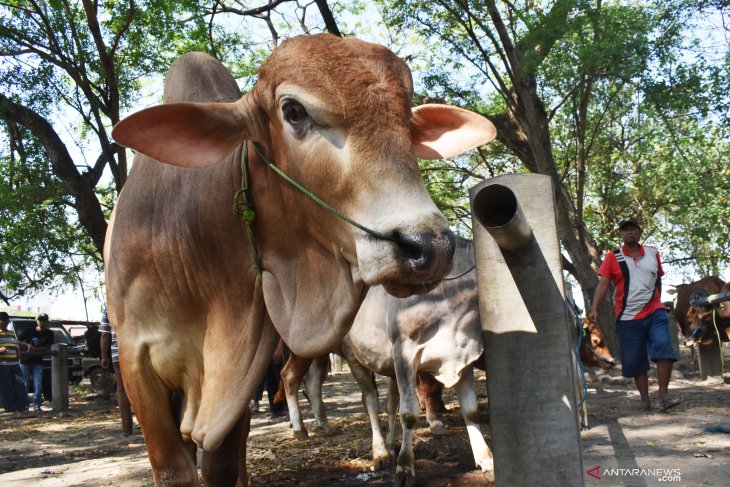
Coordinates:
[426,251]
[412,248]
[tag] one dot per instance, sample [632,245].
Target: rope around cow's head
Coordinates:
[243,207]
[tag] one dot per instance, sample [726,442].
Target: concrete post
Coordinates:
[59,376]
[530,375]
[710,359]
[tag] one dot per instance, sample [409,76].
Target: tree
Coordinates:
[68,70]
[562,75]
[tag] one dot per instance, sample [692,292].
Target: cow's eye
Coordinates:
[294,112]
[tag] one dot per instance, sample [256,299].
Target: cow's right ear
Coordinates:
[192,135]
[444,131]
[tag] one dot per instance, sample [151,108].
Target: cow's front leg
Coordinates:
[470,411]
[291,376]
[170,457]
[393,400]
[227,465]
[429,395]
[381,457]
[405,470]
[313,380]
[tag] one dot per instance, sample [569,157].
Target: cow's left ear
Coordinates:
[443,131]
[192,135]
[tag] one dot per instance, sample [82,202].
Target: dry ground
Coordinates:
[83,446]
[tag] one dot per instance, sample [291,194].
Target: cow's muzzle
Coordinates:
[424,258]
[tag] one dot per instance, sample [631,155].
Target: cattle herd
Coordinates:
[198,296]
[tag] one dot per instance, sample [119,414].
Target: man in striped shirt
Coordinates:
[641,318]
[108,345]
[13,389]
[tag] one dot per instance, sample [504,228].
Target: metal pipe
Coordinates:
[497,209]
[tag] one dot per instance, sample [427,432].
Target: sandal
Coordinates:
[645,409]
[670,403]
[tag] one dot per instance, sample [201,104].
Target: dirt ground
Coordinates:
[84,446]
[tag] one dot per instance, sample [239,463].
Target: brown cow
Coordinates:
[593,349]
[697,324]
[593,352]
[192,317]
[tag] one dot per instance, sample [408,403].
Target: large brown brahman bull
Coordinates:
[194,320]
[438,333]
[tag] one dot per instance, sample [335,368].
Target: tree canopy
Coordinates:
[69,68]
[624,104]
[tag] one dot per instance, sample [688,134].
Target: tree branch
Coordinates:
[87,205]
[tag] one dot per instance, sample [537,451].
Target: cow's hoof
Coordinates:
[486,464]
[404,478]
[488,476]
[328,430]
[381,462]
[300,434]
[439,429]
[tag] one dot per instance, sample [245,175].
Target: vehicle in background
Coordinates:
[60,335]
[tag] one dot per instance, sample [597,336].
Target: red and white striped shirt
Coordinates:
[637,281]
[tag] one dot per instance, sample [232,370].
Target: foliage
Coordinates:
[624,103]
[637,105]
[69,69]
[30,204]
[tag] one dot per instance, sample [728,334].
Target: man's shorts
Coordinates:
[641,337]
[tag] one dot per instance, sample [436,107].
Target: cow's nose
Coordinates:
[427,251]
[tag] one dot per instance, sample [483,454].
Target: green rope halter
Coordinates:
[243,206]
[453,278]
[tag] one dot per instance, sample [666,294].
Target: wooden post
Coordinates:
[673,330]
[336,361]
[59,376]
[530,374]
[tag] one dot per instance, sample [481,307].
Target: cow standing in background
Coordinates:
[194,318]
[698,324]
[437,334]
[592,351]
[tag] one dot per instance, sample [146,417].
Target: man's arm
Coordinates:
[49,337]
[23,343]
[601,290]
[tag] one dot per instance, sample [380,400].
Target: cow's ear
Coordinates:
[443,131]
[192,135]
[704,314]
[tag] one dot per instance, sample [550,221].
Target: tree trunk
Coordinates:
[77,185]
[526,132]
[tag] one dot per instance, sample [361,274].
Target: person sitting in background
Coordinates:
[34,342]
[13,389]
